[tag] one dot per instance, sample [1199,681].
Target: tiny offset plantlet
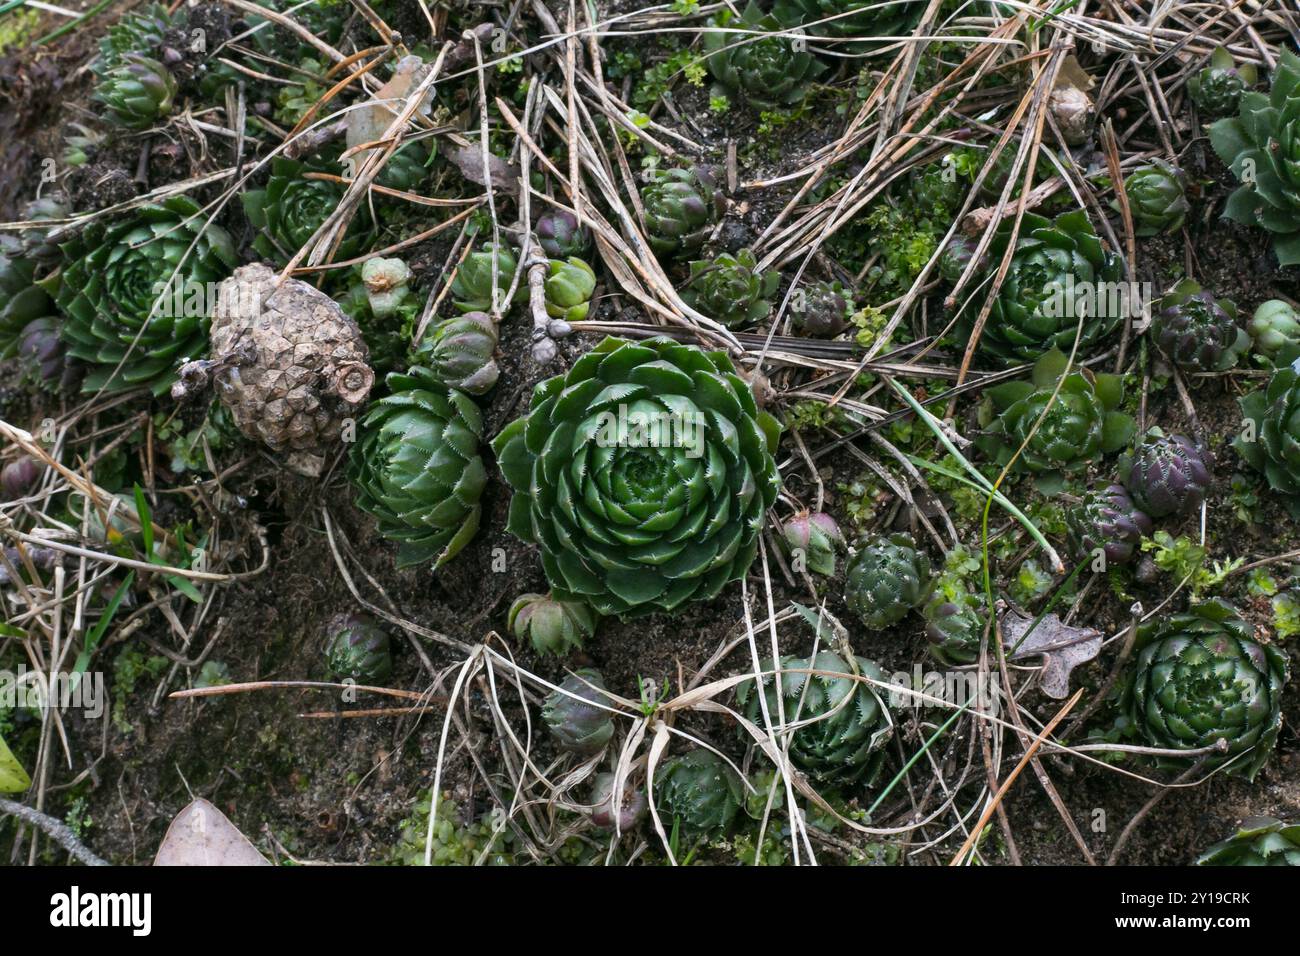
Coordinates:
[569,285]
[137,92]
[842,724]
[1061,430]
[1061,282]
[643,474]
[1217,89]
[821,309]
[1107,521]
[460,353]
[767,71]
[571,714]
[417,469]
[1259,841]
[886,578]
[1275,329]
[1261,144]
[358,649]
[813,539]
[730,289]
[681,208]
[550,625]
[472,289]
[1157,198]
[1166,474]
[1197,332]
[561,235]
[1199,680]
[699,792]
[954,627]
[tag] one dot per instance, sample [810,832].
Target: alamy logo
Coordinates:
[636,428]
[75,909]
[61,691]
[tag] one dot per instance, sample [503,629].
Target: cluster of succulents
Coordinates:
[1198,332]
[358,649]
[769,71]
[1200,682]
[836,721]
[454,840]
[886,578]
[551,625]
[730,289]
[1058,422]
[1261,144]
[417,469]
[1055,291]
[643,474]
[119,287]
[574,716]
[1157,198]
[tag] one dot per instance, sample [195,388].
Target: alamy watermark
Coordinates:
[1073,299]
[34,690]
[919,689]
[639,428]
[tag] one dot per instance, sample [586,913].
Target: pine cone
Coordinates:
[289,364]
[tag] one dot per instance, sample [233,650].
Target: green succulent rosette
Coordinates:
[1261,144]
[837,724]
[292,207]
[1061,282]
[1259,841]
[681,208]
[569,285]
[886,577]
[643,474]
[1275,330]
[358,649]
[140,31]
[1218,88]
[730,289]
[114,292]
[1198,332]
[698,793]
[417,469]
[863,24]
[1157,198]
[408,168]
[1200,678]
[1269,440]
[1080,421]
[551,626]
[459,352]
[472,288]
[573,715]
[764,70]
[137,92]
[954,627]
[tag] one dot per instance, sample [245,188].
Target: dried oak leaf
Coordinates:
[1062,646]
